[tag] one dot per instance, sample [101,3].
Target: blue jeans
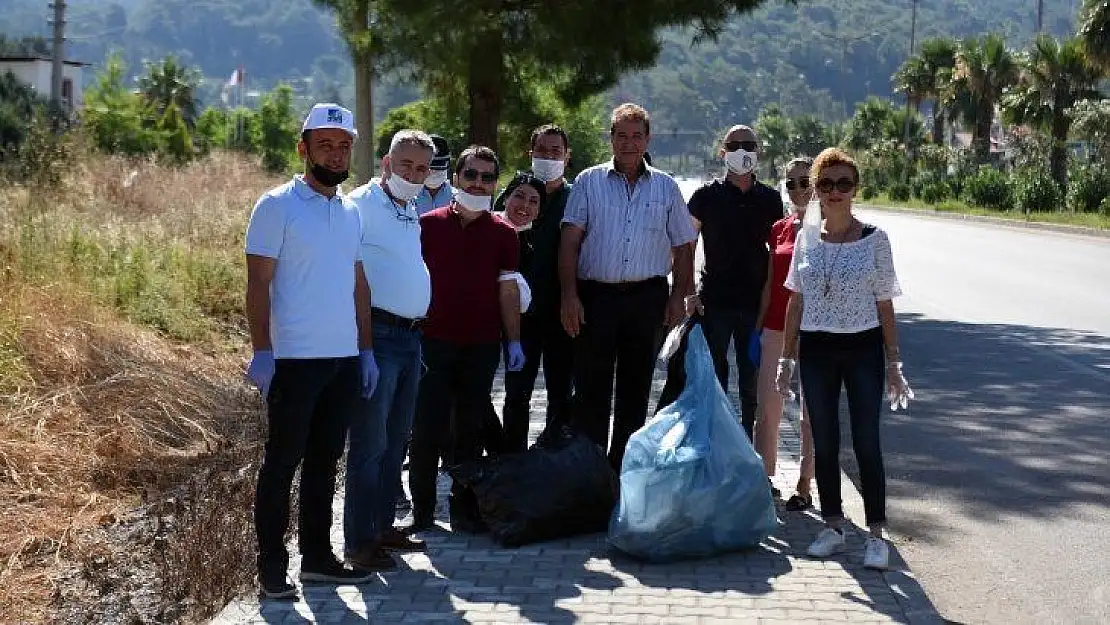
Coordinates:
[827,362]
[378,438]
[724,325]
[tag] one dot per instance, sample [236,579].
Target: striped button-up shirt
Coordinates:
[630,230]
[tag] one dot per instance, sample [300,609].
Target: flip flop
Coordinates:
[799,502]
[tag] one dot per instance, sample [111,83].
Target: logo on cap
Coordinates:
[335,116]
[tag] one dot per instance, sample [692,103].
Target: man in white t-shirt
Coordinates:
[401,289]
[308,308]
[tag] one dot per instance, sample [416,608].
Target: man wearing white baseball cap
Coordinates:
[308,309]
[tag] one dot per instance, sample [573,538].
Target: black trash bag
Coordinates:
[562,486]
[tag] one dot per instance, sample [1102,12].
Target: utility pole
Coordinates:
[57,67]
[906,121]
[1040,16]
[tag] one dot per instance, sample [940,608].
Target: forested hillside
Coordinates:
[812,56]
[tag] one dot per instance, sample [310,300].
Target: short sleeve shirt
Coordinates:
[630,230]
[465,263]
[316,243]
[392,258]
[735,225]
[840,283]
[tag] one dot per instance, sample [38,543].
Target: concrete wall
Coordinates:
[37,74]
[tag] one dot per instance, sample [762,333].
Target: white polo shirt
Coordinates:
[315,241]
[392,259]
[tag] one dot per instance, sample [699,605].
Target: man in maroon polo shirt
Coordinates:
[466,250]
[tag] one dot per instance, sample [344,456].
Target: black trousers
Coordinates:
[311,404]
[543,340]
[451,409]
[618,341]
[728,325]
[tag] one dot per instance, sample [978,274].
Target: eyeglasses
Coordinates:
[844,185]
[801,183]
[471,175]
[747,146]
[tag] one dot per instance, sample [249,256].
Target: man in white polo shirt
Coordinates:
[308,308]
[401,291]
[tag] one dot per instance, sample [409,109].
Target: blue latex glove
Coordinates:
[369,369]
[516,356]
[755,347]
[260,371]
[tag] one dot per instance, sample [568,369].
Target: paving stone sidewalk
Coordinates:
[468,579]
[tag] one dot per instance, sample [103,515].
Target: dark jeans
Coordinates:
[458,377]
[378,438]
[724,325]
[311,403]
[621,335]
[543,339]
[826,362]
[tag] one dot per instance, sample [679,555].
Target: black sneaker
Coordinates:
[276,586]
[333,572]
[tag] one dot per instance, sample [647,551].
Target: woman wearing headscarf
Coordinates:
[797,193]
[840,331]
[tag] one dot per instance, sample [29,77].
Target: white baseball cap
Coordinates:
[329,115]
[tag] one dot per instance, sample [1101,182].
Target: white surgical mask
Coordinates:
[402,189]
[436,178]
[547,170]
[473,202]
[741,161]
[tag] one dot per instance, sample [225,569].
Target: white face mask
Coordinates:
[402,189]
[473,202]
[436,178]
[547,170]
[741,161]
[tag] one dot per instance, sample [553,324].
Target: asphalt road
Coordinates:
[999,474]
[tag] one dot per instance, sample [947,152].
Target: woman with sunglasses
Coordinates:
[840,326]
[772,318]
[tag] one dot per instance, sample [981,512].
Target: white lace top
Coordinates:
[841,282]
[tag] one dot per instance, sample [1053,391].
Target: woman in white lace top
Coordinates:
[840,326]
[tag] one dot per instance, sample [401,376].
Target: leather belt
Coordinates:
[377,315]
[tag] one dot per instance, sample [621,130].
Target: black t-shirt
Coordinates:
[735,226]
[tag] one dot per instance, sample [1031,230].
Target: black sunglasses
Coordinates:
[802,183]
[747,146]
[844,185]
[473,174]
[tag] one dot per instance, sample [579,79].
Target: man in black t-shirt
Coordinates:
[734,216]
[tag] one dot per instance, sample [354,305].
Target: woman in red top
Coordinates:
[772,317]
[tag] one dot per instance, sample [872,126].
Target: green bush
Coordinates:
[899,192]
[868,193]
[935,191]
[1104,206]
[1088,186]
[990,188]
[1036,192]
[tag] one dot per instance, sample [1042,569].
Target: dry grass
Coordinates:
[121,352]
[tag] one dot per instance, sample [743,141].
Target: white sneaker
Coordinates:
[828,542]
[876,554]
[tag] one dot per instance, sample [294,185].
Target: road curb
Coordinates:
[1000,221]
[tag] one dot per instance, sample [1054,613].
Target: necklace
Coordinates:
[828,269]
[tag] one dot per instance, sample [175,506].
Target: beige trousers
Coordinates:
[770,409]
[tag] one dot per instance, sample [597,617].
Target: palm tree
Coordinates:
[984,69]
[169,82]
[1094,30]
[914,80]
[939,58]
[1054,76]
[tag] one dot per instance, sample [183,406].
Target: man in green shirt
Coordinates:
[541,333]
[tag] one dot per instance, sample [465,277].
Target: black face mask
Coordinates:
[325,176]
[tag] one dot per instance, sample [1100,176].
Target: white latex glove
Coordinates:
[783,377]
[898,391]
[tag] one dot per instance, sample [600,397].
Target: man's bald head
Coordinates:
[740,132]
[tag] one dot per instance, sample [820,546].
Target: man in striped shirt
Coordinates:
[624,222]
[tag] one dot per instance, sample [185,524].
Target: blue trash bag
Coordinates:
[691,483]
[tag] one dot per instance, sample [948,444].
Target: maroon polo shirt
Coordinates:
[465,263]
